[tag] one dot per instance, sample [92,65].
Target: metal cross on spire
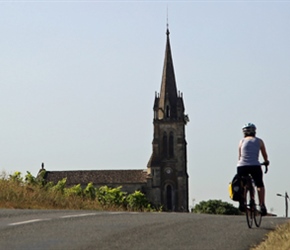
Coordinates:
[167,24]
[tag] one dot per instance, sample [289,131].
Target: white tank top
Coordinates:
[250,149]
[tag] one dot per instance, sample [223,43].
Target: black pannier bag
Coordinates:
[236,188]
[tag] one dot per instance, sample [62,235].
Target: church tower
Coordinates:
[167,167]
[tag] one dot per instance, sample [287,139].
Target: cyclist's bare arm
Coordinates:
[240,145]
[263,151]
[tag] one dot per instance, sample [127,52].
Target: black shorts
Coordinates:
[255,171]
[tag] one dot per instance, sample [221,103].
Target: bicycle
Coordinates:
[251,199]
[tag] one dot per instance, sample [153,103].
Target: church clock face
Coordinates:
[168,170]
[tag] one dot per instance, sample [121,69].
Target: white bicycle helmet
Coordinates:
[249,129]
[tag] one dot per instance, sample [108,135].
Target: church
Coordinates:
[165,181]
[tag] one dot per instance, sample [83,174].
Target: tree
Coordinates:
[216,207]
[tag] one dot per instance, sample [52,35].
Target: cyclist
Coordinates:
[248,162]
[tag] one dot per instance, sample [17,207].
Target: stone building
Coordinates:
[167,167]
[165,182]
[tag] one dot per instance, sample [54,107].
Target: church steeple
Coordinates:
[167,167]
[168,92]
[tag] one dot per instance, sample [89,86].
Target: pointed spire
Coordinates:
[168,92]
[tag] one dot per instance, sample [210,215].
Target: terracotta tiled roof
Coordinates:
[98,177]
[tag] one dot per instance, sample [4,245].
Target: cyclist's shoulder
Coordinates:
[257,139]
[260,140]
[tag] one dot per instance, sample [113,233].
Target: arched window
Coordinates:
[165,144]
[169,197]
[171,145]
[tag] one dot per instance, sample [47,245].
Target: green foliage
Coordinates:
[30,179]
[16,177]
[111,196]
[216,207]
[74,191]
[90,191]
[40,177]
[60,186]
[48,186]
[138,201]
[37,193]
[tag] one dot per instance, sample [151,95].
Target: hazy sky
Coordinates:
[78,81]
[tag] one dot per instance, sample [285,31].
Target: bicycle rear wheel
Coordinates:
[258,213]
[249,211]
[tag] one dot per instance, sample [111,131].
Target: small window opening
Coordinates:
[167,111]
[171,145]
[165,144]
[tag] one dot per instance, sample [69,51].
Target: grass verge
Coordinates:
[13,195]
[279,239]
[35,193]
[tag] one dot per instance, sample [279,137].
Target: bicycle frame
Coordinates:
[248,185]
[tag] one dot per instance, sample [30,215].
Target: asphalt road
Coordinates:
[86,230]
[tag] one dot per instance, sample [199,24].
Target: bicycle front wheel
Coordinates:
[249,211]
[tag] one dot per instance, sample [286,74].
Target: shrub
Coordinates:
[90,191]
[37,193]
[40,177]
[60,186]
[30,179]
[216,207]
[16,177]
[75,190]
[111,196]
[138,201]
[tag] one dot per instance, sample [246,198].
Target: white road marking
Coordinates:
[77,215]
[26,222]
[66,216]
